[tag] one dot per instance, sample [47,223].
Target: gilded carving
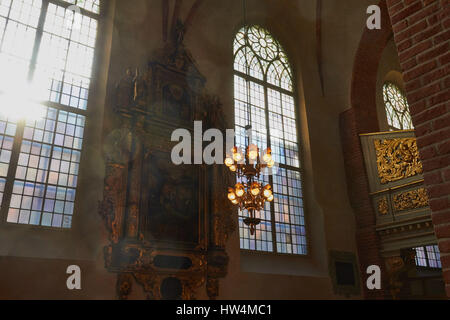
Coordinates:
[212,288]
[190,286]
[409,200]
[397,159]
[398,268]
[145,259]
[112,205]
[217,268]
[151,283]
[124,285]
[107,253]
[383,207]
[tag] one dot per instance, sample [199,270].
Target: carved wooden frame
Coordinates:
[141,128]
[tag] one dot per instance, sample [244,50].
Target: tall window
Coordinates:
[46,57]
[264,98]
[397,109]
[429,257]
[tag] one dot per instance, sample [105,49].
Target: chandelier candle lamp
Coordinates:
[249,194]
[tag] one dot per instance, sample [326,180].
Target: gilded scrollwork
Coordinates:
[409,200]
[398,268]
[107,253]
[111,207]
[212,288]
[190,286]
[383,207]
[397,159]
[152,283]
[217,268]
[144,260]
[124,285]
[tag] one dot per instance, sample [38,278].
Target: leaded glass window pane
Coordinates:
[397,109]
[428,256]
[264,98]
[46,52]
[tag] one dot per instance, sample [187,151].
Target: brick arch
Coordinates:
[396,77]
[362,118]
[365,70]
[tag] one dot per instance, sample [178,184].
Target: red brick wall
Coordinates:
[421,33]
[358,190]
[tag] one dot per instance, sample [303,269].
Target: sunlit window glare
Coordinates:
[18,102]
[46,61]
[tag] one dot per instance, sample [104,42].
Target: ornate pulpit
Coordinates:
[397,189]
[167,224]
[400,201]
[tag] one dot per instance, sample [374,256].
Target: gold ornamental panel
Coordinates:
[410,200]
[383,207]
[397,159]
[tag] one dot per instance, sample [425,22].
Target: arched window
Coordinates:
[264,98]
[397,110]
[46,57]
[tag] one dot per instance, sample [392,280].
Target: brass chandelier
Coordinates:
[249,194]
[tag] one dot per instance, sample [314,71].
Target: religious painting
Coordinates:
[170,200]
